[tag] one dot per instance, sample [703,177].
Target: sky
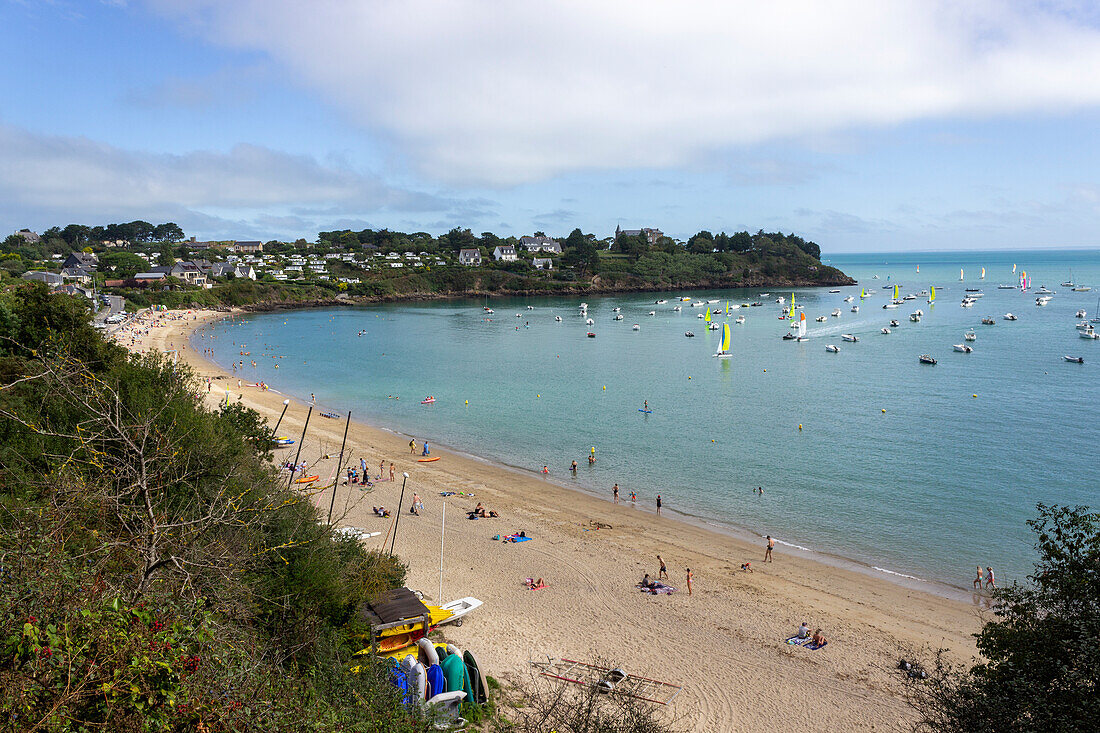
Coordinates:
[864,126]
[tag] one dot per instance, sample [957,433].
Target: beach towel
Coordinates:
[516,538]
[796,641]
[815,647]
[658,589]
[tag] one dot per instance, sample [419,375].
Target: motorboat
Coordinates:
[834,291]
[1068,284]
[698,304]
[891,304]
[530,307]
[1089,334]
[590,322]
[700,315]
[918,312]
[914,317]
[557,318]
[591,335]
[713,327]
[988,321]
[618,317]
[894,324]
[788,336]
[926,359]
[1043,291]
[973,290]
[1042,300]
[1082,289]
[1084,326]
[652,313]
[821,319]
[974,296]
[963,348]
[968,302]
[635,327]
[685,299]
[756,304]
[923,293]
[836,313]
[1079,314]
[490,310]
[714,300]
[886,331]
[849,337]
[849,299]
[616,309]
[739,319]
[677,308]
[855,309]
[832,349]
[970,335]
[660,302]
[1010,317]
[518,315]
[1006,287]
[1075,359]
[689,334]
[780,300]
[910,296]
[765,295]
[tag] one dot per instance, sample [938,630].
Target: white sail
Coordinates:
[802,325]
[724,347]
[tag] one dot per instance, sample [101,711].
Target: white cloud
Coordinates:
[508,92]
[55,180]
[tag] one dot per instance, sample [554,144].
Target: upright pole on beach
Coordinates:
[400,503]
[340,467]
[286,403]
[299,453]
[442,534]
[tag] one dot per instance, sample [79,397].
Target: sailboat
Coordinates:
[983,274]
[724,347]
[801,326]
[728,308]
[895,292]
[706,318]
[931,294]
[918,268]
[1013,268]
[960,274]
[863,293]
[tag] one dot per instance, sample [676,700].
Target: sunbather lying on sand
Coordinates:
[535,584]
[381,511]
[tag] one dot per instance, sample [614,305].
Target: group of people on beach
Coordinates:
[662,574]
[986,577]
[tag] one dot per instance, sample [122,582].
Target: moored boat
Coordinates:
[849,337]
[1010,317]
[926,359]
[832,349]
[1075,359]
[963,348]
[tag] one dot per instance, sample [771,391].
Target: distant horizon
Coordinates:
[903,125]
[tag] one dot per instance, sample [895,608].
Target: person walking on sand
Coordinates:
[980,579]
[412,446]
[391,472]
[662,573]
[989,582]
[658,505]
[768,552]
[615,492]
[382,470]
[363,467]
[690,576]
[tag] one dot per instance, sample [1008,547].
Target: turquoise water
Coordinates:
[939,482]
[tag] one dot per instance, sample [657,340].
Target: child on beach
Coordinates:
[746,567]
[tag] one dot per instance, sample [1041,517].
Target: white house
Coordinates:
[505,253]
[469,257]
[543,263]
[540,243]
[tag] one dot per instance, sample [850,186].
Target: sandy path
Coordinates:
[724,644]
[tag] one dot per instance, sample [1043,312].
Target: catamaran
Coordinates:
[983,274]
[801,326]
[724,347]
[960,275]
[931,294]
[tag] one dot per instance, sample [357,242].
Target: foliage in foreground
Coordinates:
[153,574]
[1041,671]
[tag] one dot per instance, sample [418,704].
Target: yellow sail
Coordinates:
[863,293]
[895,292]
[727,307]
[725,338]
[707,316]
[932,294]
[790,313]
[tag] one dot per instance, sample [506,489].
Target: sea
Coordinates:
[914,472]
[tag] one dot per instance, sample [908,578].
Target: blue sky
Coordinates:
[895,125]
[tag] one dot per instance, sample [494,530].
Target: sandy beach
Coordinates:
[724,643]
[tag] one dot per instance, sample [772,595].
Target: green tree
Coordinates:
[121,264]
[167,257]
[1041,671]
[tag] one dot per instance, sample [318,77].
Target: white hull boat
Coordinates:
[962,348]
[459,609]
[832,349]
[849,337]
[1010,317]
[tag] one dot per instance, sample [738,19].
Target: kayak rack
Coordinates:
[607,680]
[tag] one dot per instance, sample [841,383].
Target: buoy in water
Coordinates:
[800,427]
[538,395]
[884,409]
[974,396]
[605,387]
[467,402]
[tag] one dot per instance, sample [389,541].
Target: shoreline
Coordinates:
[592,608]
